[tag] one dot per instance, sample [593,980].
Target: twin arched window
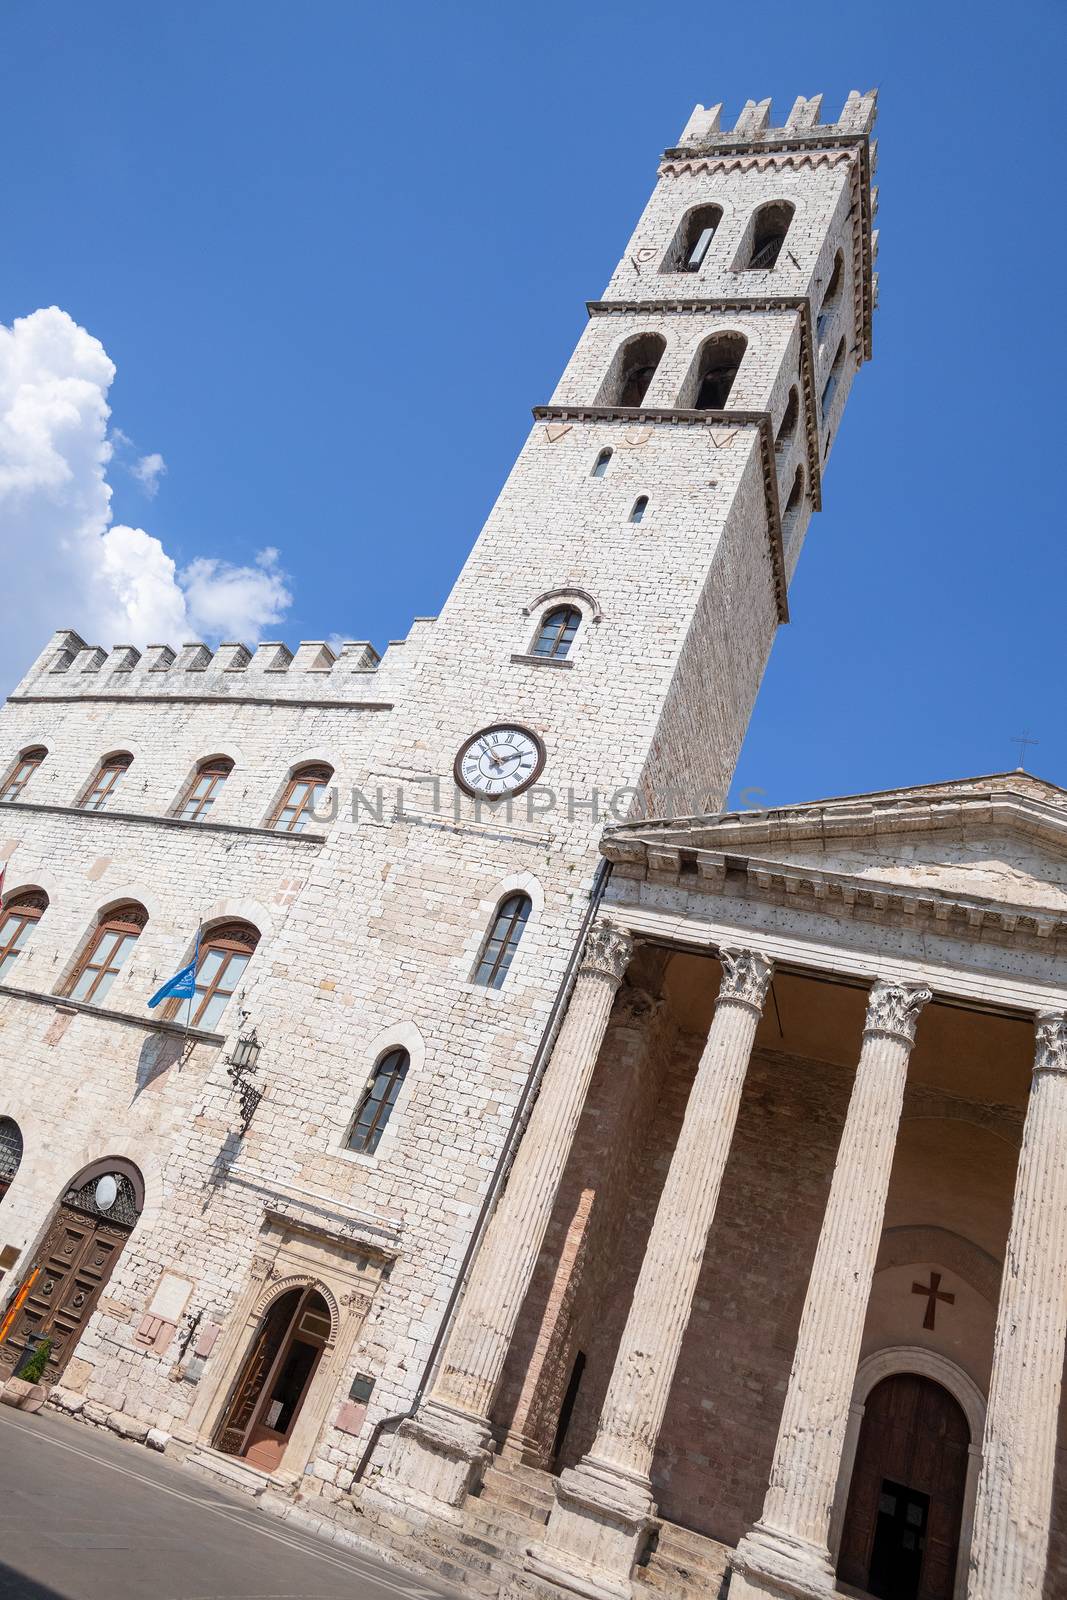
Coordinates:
[693,240]
[788,425]
[769,228]
[556,633]
[20,916]
[105,953]
[376,1106]
[720,357]
[204,790]
[832,381]
[300,798]
[632,370]
[831,298]
[22,771]
[108,777]
[502,941]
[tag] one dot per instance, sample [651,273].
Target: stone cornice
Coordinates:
[135,698]
[724,154]
[159,821]
[801,304]
[760,420]
[837,894]
[83,1008]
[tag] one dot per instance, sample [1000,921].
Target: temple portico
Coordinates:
[763,1280]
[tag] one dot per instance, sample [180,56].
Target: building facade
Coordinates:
[476,1172]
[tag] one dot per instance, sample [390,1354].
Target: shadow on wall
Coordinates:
[159,1053]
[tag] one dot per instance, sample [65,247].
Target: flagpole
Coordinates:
[192,995]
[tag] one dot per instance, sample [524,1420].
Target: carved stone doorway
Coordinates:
[70,1269]
[275,1378]
[905,1507]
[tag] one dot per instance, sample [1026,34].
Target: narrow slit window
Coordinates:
[556,633]
[640,506]
[377,1104]
[22,772]
[600,465]
[502,941]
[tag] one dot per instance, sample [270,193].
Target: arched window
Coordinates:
[300,798]
[795,494]
[502,940]
[376,1106]
[20,916]
[21,773]
[109,775]
[10,1153]
[693,240]
[832,380]
[788,425]
[632,370]
[600,465]
[224,956]
[107,949]
[769,228]
[204,790]
[717,364]
[640,506]
[831,299]
[556,633]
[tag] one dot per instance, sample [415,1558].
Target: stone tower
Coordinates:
[661,499]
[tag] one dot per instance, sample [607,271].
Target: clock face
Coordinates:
[499,761]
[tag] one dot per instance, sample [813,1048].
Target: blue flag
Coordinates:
[183,984]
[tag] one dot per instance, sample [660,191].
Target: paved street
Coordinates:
[85,1516]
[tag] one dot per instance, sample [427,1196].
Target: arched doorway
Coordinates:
[77,1256]
[259,1418]
[905,1507]
[10,1153]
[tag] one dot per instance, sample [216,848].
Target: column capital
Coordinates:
[893,1010]
[746,977]
[1051,1052]
[607,953]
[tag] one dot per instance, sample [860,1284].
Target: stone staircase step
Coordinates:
[496,1521]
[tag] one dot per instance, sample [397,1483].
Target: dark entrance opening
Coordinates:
[258,1421]
[567,1409]
[905,1505]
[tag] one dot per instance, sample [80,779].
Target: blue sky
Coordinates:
[335,252]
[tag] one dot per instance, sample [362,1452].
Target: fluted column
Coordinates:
[604,1506]
[1009,1545]
[441,1452]
[786,1553]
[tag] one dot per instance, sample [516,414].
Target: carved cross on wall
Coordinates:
[933,1293]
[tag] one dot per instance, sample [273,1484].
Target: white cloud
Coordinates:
[66,564]
[148,470]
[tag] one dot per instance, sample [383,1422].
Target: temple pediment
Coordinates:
[1001,839]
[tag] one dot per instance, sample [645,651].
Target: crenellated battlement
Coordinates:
[70,668]
[753,125]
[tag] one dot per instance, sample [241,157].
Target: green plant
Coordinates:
[33,1371]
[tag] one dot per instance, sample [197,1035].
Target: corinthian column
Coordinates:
[604,1506]
[786,1552]
[441,1452]
[1011,1519]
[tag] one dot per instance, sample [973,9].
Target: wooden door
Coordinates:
[277,1373]
[62,1286]
[905,1505]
